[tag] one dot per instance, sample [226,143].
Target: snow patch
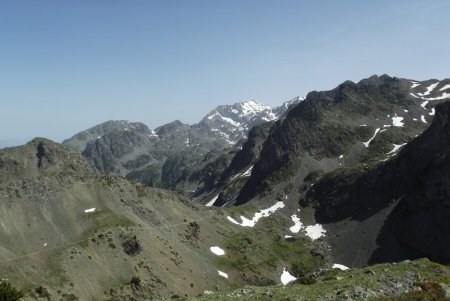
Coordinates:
[248,172]
[340,266]
[89,210]
[297,224]
[286,277]
[397,121]
[223,274]
[153,134]
[230,121]
[414,95]
[226,119]
[341,156]
[424,104]
[251,108]
[218,251]
[315,231]
[366,144]
[213,200]
[423,119]
[433,111]
[443,96]
[396,148]
[445,87]
[288,236]
[429,89]
[414,84]
[258,215]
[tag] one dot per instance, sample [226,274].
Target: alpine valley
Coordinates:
[341,195]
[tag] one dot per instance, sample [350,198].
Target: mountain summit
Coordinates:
[233,122]
[158,157]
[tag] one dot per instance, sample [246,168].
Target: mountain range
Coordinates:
[354,176]
[157,157]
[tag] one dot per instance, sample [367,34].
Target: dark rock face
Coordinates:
[45,156]
[131,246]
[325,124]
[223,171]
[340,124]
[250,151]
[107,151]
[79,141]
[48,157]
[418,180]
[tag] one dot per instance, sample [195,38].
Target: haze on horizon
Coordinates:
[68,65]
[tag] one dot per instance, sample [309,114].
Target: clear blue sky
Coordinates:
[67,65]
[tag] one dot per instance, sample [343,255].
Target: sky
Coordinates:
[68,65]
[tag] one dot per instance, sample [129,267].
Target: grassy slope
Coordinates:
[409,280]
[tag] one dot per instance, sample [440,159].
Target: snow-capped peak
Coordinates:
[233,122]
[252,108]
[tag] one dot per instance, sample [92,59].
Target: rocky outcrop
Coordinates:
[42,157]
[340,124]
[416,183]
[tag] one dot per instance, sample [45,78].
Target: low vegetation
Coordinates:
[8,292]
[408,281]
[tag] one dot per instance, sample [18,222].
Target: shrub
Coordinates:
[135,280]
[8,292]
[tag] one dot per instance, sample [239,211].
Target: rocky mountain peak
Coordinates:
[171,128]
[39,157]
[80,140]
[233,122]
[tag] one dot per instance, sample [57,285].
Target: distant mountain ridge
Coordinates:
[158,157]
[355,123]
[233,123]
[352,123]
[79,141]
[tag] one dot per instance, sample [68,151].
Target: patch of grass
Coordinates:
[334,284]
[69,297]
[257,253]
[429,291]
[104,220]
[8,292]
[42,292]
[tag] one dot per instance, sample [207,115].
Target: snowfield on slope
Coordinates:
[213,200]
[258,215]
[340,266]
[286,277]
[366,144]
[396,148]
[297,224]
[315,231]
[223,274]
[429,89]
[217,250]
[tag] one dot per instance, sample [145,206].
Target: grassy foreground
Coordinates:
[408,280]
